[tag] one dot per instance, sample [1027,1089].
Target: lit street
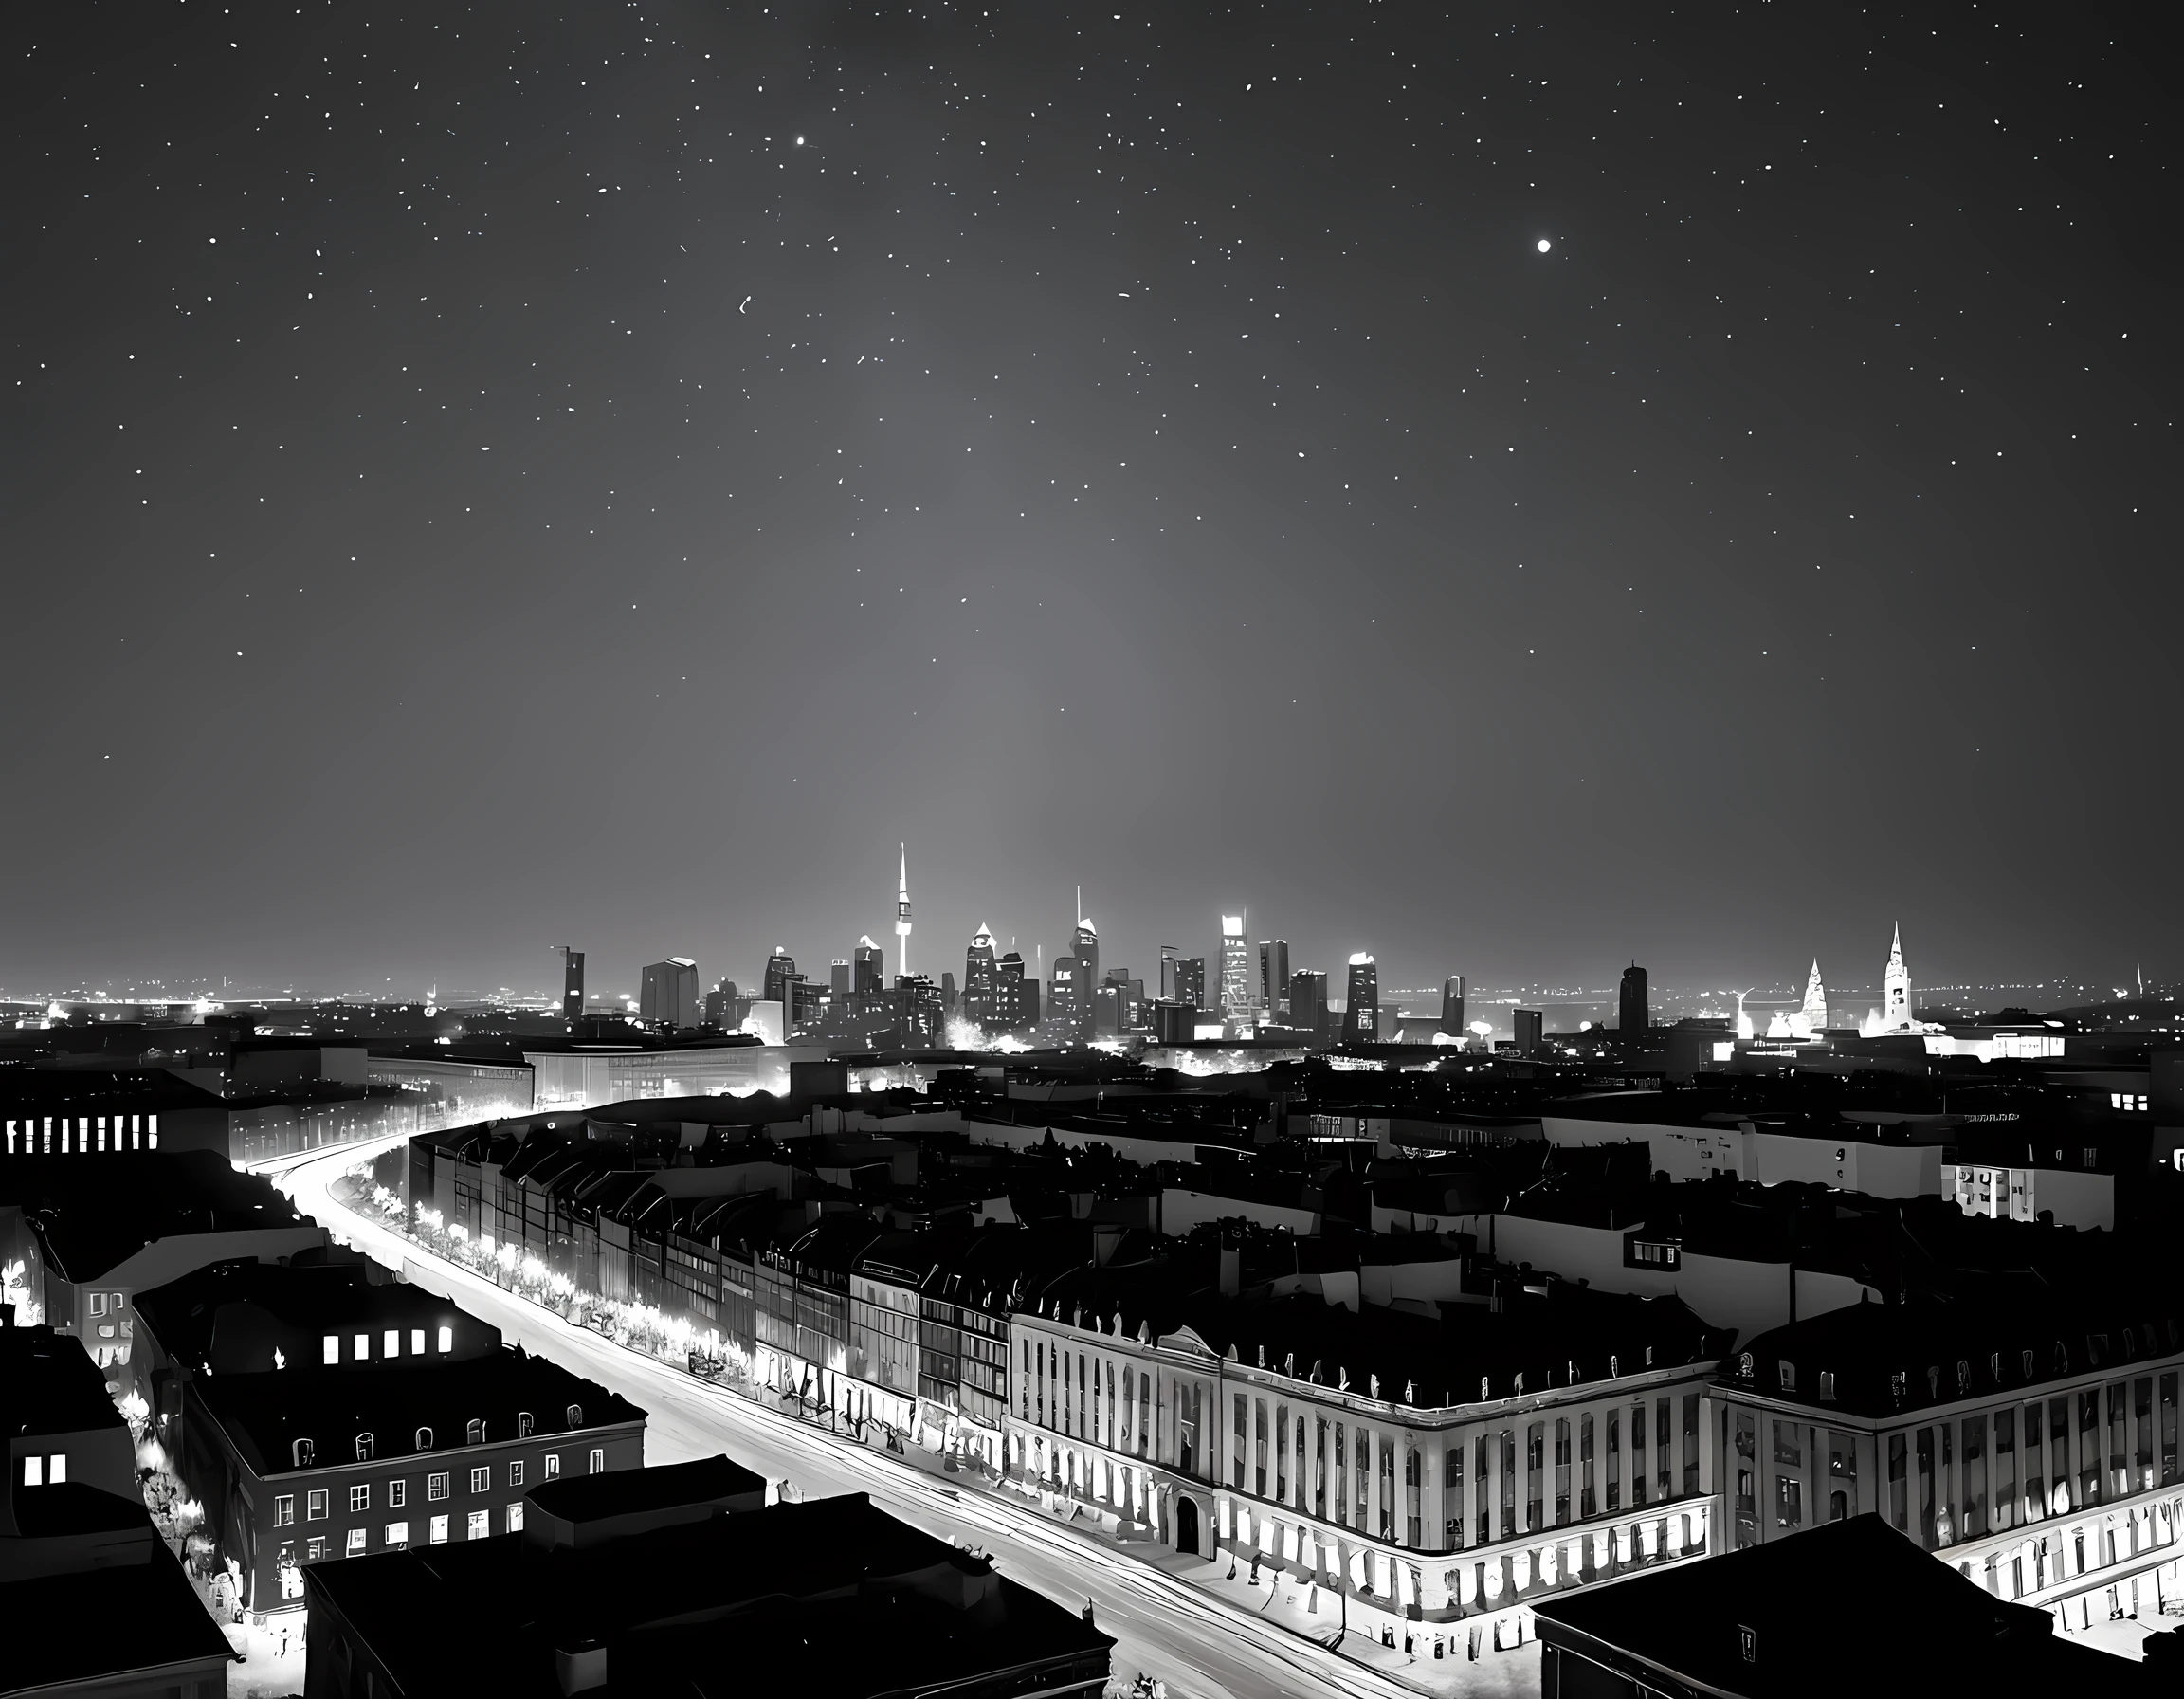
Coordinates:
[1198,1644]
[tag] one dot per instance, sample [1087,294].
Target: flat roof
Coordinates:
[167,1629]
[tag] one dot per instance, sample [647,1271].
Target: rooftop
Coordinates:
[264,1415]
[49,1384]
[93,1213]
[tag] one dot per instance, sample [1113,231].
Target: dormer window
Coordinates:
[424,1439]
[1826,1386]
[363,1448]
[574,1415]
[303,1453]
[1786,1373]
[477,1433]
[522,1424]
[1744,1366]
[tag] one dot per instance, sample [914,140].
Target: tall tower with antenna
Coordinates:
[903,915]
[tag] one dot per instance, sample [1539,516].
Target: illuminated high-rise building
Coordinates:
[1069,1010]
[980,987]
[1191,982]
[1361,1014]
[1814,1012]
[903,915]
[1087,942]
[1235,971]
[1896,989]
[870,968]
[1632,1015]
[1274,976]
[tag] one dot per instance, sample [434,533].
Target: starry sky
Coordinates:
[1510,488]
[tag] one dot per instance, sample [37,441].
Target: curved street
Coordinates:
[1199,1642]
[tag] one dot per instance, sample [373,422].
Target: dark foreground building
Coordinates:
[97,1606]
[672,1581]
[1848,1607]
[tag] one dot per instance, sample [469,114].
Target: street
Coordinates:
[1203,1645]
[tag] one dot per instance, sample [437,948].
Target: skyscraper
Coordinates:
[1531,1027]
[780,969]
[1011,1007]
[1167,991]
[871,968]
[1235,971]
[1308,1003]
[668,995]
[1087,942]
[1067,1010]
[1896,989]
[1362,1018]
[571,983]
[1452,1006]
[720,1005]
[979,985]
[1815,1010]
[1274,976]
[838,981]
[1191,982]
[1631,1014]
[903,915]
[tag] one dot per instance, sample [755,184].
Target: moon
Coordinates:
[1545,245]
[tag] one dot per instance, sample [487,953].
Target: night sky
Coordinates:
[485,478]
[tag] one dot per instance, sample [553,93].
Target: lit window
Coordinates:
[397,1495]
[436,1485]
[481,1527]
[416,1342]
[447,1339]
[313,1550]
[363,1347]
[359,1499]
[284,1510]
[33,1472]
[598,1461]
[315,1505]
[553,1464]
[516,1517]
[391,1342]
[439,1530]
[330,1349]
[482,1480]
[516,1474]
[57,1468]
[357,1537]
[397,1535]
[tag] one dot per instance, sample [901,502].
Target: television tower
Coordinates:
[903,915]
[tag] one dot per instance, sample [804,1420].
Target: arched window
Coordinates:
[424,1439]
[363,1448]
[522,1424]
[477,1433]
[303,1451]
[575,1414]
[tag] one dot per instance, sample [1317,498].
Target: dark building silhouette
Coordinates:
[780,969]
[1274,976]
[1531,1025]
[1189,978]
[838,979]
[869,974]
[668,995]
[1015,997]
[1452,1006]
[722,1005]
[571,983]
[1632,1012]
[1362,1017]
[1308,1002]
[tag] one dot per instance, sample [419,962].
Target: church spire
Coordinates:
[902,914]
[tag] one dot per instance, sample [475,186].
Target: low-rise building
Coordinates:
[667,1581]
[80,1236]
[97,1606]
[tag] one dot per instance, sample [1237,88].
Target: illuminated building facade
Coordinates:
[981,987]
[1361,1013]
[1814,1012]
[1016,998]
[1067,1009]
[1896,989]
[1236,1007]
[902,914]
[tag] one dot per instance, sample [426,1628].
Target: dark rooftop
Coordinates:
[93,1213]
[76,1639]
[1929,1630]
[264,1415]
[49,1384]
[701,1483]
